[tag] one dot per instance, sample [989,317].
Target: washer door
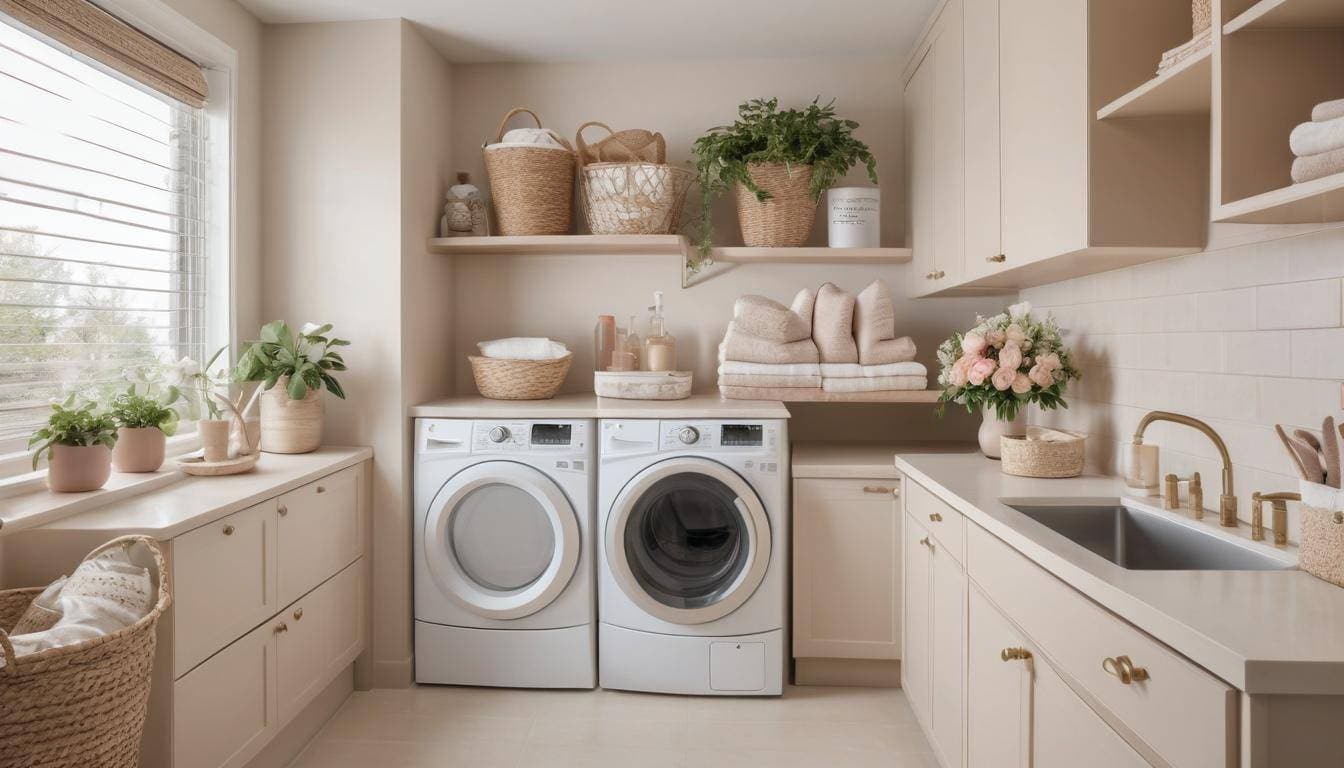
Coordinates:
[688,540]
[501,539]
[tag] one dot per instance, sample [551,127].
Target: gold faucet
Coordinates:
[1279,501]
[1227,502]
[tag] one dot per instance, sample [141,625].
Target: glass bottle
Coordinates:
[660,347]
[604,342]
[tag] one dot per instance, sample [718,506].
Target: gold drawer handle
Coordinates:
[228,530]
[281,627]
[1122,668]
[283,510]
[936,517]
[1015,654]
[878,489]
[999,259]
[298,613]
[321,489]
[925,541]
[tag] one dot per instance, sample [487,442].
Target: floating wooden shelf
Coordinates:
[1312,202]
[744,255]
[560,245]
[1289,14]
[1185,90]
[822,396]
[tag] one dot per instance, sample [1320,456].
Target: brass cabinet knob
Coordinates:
[283,510]
[1122,668]
[228,530]
[939,275]
[925,541]
[1015,654]
[321,489]
[931,276]
[281,627]
[878,489]
[936,517]
[999,259]
[298,613]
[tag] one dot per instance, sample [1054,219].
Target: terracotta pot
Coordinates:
[214,438]
[288,425]
[78,468]
[139,449]
[991,429]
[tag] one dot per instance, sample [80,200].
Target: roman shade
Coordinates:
[91,31]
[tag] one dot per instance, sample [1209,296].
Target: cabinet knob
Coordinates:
[282,509]
[999,259]
[228,530]
[1015,654]
[321,489]
[931,276]
[879,489]
[298,613]
[936,517]
[281,627]
[925,541]
[1122,668]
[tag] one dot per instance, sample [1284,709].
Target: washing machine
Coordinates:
[504,553]
[693,546]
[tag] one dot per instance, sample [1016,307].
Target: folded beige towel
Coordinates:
[1318,166]
[769,320]
[875,328]
[805,306]
[875,384]
[1310,139]
[1327,111]
[833,325]
[757,380]
[746,348]
[854,370]
[766,369]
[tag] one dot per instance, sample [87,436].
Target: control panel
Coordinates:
[717,436]
[518,436]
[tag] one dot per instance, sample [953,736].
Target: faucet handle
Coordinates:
[1196,502]
[1279,503]
[1172,494]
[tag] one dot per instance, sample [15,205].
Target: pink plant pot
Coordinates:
[78,468]
[139,449]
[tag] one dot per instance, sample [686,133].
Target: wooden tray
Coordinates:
[196,465]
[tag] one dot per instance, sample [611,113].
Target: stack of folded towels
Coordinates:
[1319,145]
[827,339]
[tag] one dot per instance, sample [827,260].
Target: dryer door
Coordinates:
[501,539]
[688,540]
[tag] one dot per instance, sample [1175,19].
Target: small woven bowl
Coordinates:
[502,379]
[1041,458]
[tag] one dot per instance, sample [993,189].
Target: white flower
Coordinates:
[309,328]
[1020,310]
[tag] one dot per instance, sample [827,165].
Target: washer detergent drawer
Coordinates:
[737,666]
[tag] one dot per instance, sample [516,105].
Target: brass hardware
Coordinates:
[321,489]
[1279,505]
[281,627]
[298,613]
[1015,654]
[936,517]
[1172,495]
[1122,668]
[1227,502]
[228,530]
[939,275]
[930,276]
[999,259]
[925,541]
[878,489]
[282,509]
[1257,518]
[1196,501]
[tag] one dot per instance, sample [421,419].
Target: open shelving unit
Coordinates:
[1288,15]
[1186,89]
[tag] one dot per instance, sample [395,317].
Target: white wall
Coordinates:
[1244,336]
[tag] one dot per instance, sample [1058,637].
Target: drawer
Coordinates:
[224,711]
[944,523]
[318,531]
[316,637]
[223,583]
[1182,712]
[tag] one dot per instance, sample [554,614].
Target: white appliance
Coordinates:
[504,564]
[692,548]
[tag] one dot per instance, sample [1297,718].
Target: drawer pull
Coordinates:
[228,530]
[936,517]
[1015,654]
[1122,668]
[281,627]
[298,613]
[999,259]
[321,489]
[925,541]
[879,489]
[283,510]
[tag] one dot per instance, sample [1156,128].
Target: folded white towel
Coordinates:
[523,348]
[854,370]
[758,380]
[529,137]
[1318,166]
[875,384]
[768,369]
[1327,111]
[1317,138]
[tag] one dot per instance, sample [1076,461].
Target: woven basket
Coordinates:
[784,219]
[501,379]
[532,187]
[640,194]
[1201,12]
[1321,552]
[80,705]
[1041,458]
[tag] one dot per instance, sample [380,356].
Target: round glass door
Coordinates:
[502,539]
[688,541]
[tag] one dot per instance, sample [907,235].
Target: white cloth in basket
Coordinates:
[529,137]
[104,594]
[523,348]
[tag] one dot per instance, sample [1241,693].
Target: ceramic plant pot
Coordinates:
[78,468]
[139,449]
[289,425]
[214,438]
[991,429]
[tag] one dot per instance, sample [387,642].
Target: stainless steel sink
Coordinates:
[1139,539]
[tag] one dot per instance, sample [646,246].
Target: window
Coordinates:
[104,203]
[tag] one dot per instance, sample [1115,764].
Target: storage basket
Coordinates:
[503,379]
[83,704]
[641,195]
[532,187]
[784,219]
[1321,552]
[1041,458]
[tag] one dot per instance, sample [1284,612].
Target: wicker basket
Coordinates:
[1041,458]
[532,187]
[83,704]
[784,219]
[1322,549]
[502,379]
[640,194]
[1201,13]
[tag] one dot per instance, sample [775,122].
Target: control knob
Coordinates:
[688,435]
[499,434]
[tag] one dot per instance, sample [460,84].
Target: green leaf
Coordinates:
[333,386]
[297,387]
[273,332]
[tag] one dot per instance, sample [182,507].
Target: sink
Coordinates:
[1140,539]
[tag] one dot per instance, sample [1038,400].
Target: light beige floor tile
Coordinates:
[540,756]
[837,737]
[810,703]
[334,753]
[611,705]
[362,724]
[656,734]
[807,758]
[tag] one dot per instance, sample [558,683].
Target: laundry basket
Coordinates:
[639,195]
[506,379]
[81,705]
[532,187]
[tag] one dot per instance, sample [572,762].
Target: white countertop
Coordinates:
[190,502]
[855,461]
[1261,631]
[590,406]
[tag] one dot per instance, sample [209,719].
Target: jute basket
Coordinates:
[501,379]
[1201,13]
[81,705]
[289,425]
[1041,458]
[532,187]
[640,195]
[784,219]
[1322,550]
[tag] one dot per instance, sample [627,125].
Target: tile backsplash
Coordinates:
[1243,336]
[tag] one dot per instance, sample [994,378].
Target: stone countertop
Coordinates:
[1264,632]
[590,406]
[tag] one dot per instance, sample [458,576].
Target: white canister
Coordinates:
[854,217]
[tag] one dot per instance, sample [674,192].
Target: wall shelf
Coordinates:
[1319,200]
[744,255]
[1185,90]
[822,396]
[1289,14]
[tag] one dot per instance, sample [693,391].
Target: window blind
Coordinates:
[102,229]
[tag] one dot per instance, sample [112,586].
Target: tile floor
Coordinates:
[490,727]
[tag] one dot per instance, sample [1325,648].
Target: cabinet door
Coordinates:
[983,193]
[846,569]
[918,108]
[998,692]
[947,649]
[949,146]
[915,670]
[1067,733]
[316,637]
[224,711]
[318,532]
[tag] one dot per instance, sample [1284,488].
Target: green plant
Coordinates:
[73,426]
[763,133]
[307,358]
[136,411]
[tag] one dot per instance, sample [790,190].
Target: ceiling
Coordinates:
[471,31]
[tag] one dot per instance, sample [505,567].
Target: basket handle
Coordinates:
[11,660]
[583,145]
[160,564]
[499,135]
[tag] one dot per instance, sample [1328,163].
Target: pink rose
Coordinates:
[996,338]
[958,375]
[1003,378]
[1015,334]
[1050,361]
[1041,375]
[980,370]
[1021,384]
[1010,357]
[973,344]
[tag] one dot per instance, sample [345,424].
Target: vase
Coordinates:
[991,429]
[784,219]
[139,449]
[78,468]
[289,425]
[214,438]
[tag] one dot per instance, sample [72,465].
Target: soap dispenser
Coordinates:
[660,347]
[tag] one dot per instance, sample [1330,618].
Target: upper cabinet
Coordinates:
[1041,189]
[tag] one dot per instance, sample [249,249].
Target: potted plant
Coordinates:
[78,442]
[293,369]
[1001,365]
[144,424]
[778,162]
[213,421]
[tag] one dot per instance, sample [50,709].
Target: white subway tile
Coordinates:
[1317,255]
[1180,313]
[1199,352]
[1314,304]
[1298,402]
[1257,353]
[1318,354]
[1226,310]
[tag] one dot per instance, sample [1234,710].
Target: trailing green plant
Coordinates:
[763,133]
[136,411]
[307,358]
[73,426]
